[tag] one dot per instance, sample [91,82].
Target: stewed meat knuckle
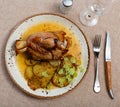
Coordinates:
[44,45]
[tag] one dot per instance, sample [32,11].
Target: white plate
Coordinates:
[10,58]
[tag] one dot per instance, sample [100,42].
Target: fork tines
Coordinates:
[97,41]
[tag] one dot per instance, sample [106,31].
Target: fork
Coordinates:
[96,50]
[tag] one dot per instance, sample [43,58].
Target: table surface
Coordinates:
[13,11]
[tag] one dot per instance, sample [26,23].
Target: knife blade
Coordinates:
[108,65]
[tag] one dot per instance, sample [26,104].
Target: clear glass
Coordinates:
[94,9]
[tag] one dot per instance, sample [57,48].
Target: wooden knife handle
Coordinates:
[108,75]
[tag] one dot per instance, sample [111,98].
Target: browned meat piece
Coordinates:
[40,55]
[44,45]
[42,39]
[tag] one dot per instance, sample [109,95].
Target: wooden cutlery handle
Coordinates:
[108,75]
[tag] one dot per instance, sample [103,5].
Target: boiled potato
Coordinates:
[29,72]
[43,82]
[34,83]
[37,70]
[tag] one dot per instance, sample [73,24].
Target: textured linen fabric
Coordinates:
[14,11]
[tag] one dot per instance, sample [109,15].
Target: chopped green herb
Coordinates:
[61,71]
[75,74]
[68,77]
[73,60]
[71,71]
[66,67]
[61,81]
[44,74]
[82,69]
[66,59]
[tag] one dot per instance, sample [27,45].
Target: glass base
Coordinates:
[88,18]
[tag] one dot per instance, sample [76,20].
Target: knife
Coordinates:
[108,65]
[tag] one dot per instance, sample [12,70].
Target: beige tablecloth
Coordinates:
[13,11]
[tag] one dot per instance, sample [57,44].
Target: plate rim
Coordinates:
[12,31]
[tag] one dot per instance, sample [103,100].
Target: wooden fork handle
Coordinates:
[109,78]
